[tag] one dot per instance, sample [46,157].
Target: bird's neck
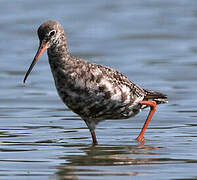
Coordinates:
[59,52]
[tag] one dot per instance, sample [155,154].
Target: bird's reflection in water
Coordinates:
[97,160]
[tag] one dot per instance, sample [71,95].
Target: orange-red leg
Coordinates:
[94,141]
[153,107]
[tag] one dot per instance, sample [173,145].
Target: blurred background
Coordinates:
[154,43]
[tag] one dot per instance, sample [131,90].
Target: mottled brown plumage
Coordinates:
[93,91]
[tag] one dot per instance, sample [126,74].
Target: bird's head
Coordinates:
[49,34]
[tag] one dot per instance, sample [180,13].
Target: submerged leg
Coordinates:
[94,141]
[91,126]
[153,107]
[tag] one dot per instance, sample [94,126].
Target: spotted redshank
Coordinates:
[92,91]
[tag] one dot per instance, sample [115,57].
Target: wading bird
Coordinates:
[92,91]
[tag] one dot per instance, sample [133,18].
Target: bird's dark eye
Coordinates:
[52,33]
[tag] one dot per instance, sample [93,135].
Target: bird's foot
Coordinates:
[94,143]
[140,138]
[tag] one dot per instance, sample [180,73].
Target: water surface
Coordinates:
[151,42]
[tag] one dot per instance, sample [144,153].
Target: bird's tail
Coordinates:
[158,97]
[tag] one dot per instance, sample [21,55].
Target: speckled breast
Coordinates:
[95,101]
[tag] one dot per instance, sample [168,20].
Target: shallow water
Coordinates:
[151,42]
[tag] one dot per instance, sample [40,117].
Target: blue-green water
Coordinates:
[154,43]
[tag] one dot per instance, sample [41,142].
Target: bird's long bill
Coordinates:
[41,49]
